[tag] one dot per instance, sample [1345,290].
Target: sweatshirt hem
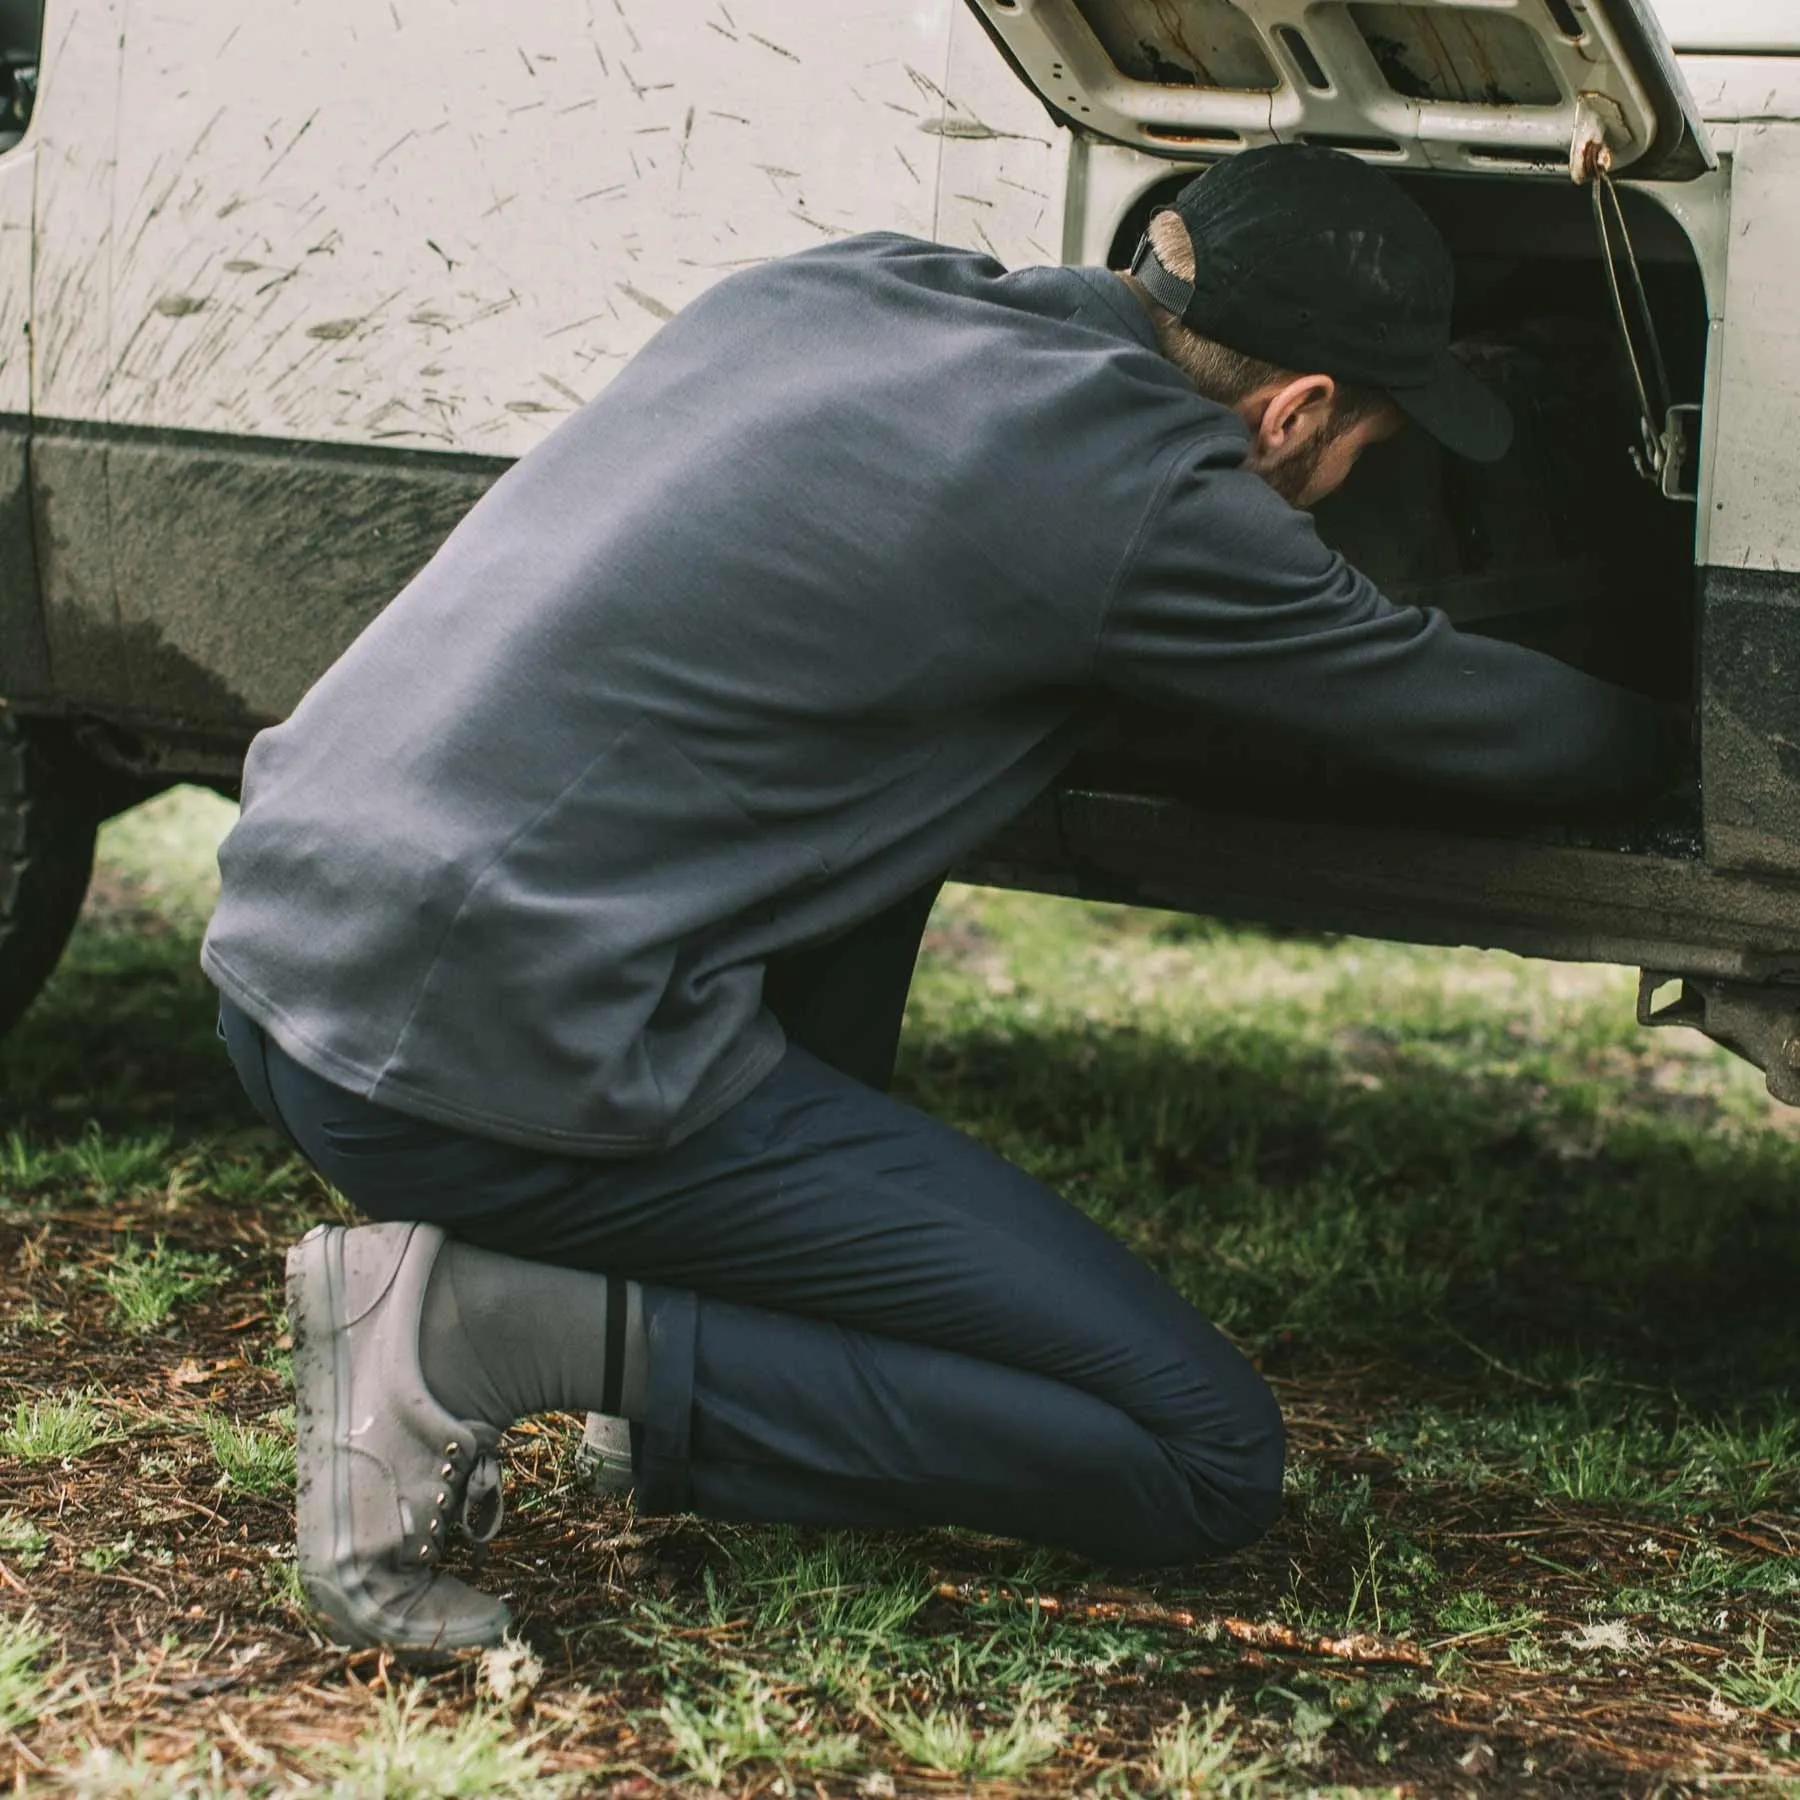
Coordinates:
[757,1064]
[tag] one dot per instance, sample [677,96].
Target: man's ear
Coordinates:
[1287,416]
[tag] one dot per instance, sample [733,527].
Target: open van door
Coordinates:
[1497,87]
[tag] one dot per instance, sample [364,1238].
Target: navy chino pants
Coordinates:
[857,1316]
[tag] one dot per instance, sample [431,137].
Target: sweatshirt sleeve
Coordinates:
[1230,604]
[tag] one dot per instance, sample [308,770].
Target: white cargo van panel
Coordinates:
[446,227]
[15,280]
[1771,27]
[1755,522]
[1003,166]
[1728,88]
[74,129]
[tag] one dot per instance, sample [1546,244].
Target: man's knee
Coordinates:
[1236,1476]
[1259,1467]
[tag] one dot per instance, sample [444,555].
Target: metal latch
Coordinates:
[1761,1022]
[1681,453]
[1668,434]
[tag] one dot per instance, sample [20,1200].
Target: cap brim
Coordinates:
[1461,411]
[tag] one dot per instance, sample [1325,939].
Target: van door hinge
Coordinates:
[1668,434]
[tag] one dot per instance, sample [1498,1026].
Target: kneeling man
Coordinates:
[569,920]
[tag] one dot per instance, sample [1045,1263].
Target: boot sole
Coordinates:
[315,1291]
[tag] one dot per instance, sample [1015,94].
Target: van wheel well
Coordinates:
[48,818]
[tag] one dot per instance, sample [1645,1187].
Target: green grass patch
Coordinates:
[1761,1680]
[146,1285]
[1011,1742]
[712,1735]
[1606,1451]
[22,1541]
[25,1671]
[102,1559]
[104,1773]
[253,1459]
[58,1428]
[1371,1149]
[112,1168]
[281,1586]
[406,1753]
[1199,1756]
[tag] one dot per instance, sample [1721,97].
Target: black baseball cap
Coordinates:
[1311,259]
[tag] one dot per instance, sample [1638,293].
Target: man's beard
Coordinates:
[1293,475]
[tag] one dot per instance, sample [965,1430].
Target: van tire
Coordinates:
[47,823]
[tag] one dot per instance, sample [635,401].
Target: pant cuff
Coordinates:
[664,1481]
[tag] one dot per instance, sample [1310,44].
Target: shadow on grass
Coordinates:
[1386,1197]
[123,1038]
[1456,1216]
[1520,1298]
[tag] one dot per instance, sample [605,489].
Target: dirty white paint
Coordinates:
[1001,182]
[445,226]
[15,279]
[74,130]
[402,222]
[1755,515]
[1729,88]
[1731,24]
[1105,181]
[1702,208]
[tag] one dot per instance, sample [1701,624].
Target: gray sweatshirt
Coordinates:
[826,585]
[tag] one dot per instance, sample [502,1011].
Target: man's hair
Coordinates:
[1219,372]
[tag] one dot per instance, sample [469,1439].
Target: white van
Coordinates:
[283,288]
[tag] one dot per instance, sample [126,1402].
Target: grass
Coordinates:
[24,1680]
[1760,1681]
[407,1755]
[1522,1278]
[54,1429]
[947,1742]
[146,1285]
[106,1773]
[1198,1756]
[112,1168]
[253,1459]
[746,1723]
[102,1559]
[22,1541]
[279,1580]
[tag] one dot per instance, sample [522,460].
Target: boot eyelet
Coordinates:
[424,1553]
[437,1525]
[443,1499]
[453,1448]
[446,1472]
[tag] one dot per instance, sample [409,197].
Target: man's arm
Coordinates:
[1230,604]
